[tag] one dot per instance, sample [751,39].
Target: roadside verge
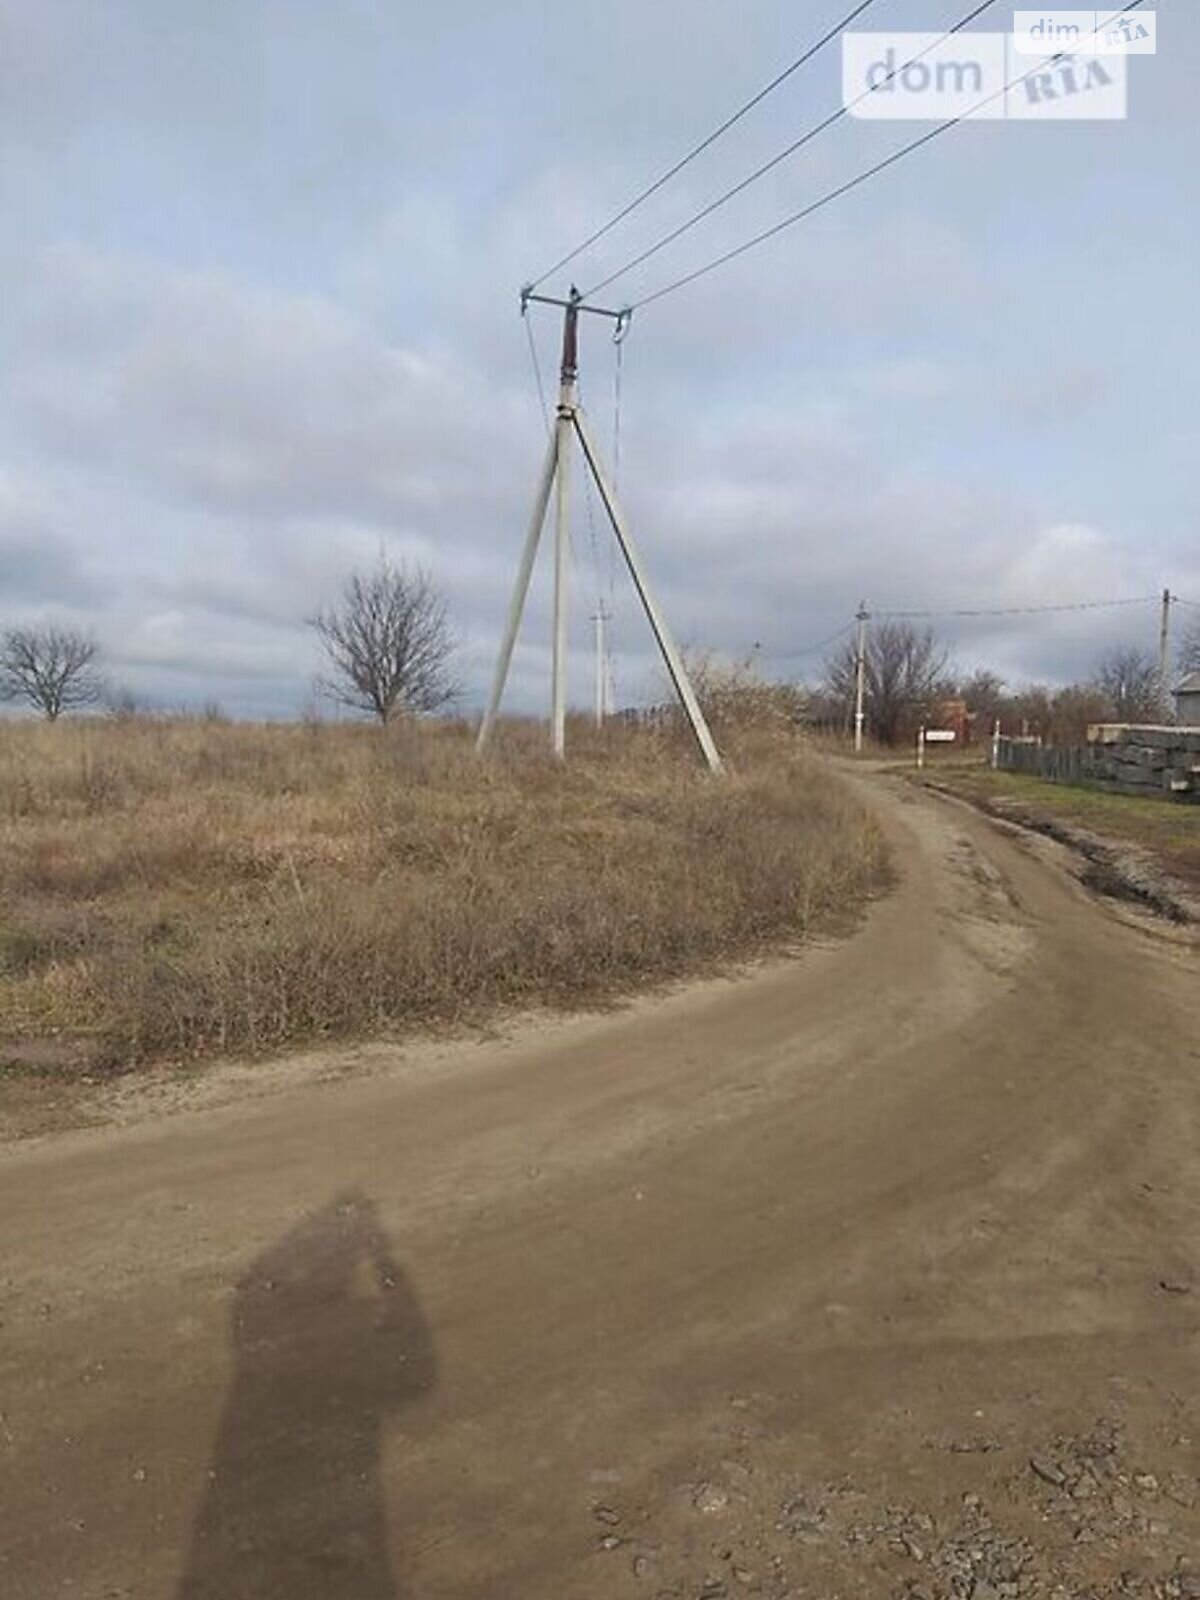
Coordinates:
[1145,857]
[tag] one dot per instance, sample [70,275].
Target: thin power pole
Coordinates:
[568,376]
[860,674]
[1164,650]
[600,618]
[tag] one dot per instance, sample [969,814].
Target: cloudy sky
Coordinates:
[259,265]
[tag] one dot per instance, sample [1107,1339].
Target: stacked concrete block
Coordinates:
[1161,762]
[1148,760]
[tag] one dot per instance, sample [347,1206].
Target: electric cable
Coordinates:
[769,166]
[1019,611]
[537,372]
[809,649]
[706,143]
[851,183]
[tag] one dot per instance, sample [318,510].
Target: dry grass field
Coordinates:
[176,889]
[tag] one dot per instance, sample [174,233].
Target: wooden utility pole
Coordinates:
[572,424]
[860,674]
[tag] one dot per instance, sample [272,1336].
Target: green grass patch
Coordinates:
[1168,830]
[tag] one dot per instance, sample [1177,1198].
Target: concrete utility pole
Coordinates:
[573,424]
[860,674]
[1164,652]
[600,618]
[568,383]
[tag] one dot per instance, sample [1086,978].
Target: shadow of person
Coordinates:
[328,1342]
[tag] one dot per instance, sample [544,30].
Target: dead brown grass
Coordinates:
[176,889]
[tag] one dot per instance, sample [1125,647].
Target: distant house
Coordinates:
[1187,701]
[954,716]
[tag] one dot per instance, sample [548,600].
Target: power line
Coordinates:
[706,143]
[618,364]
[808,649]
[775,161]
[1021,611]
[852,183]
[591,521]
[974,611]
[537,372]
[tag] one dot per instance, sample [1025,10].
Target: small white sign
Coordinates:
[940,736]
[1086,33]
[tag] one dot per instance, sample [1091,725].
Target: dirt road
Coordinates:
[773,1286]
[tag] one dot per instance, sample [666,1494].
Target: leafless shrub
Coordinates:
[734,695]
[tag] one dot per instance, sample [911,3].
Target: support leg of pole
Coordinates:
[860,672]
[671,656]
[520,590]
[562,536]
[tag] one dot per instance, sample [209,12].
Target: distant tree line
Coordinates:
[389,647]
[908,679]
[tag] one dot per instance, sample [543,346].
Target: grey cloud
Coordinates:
[262,318]
[242,401]
[40,567]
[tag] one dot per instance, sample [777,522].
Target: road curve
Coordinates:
[741,1290]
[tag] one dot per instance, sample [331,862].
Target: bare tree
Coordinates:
[906,674]
[984,693]
[50,668]
[1189,650]
[1073,710]
[1129,679]
[388,642]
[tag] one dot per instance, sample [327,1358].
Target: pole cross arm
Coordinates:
[621,317]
